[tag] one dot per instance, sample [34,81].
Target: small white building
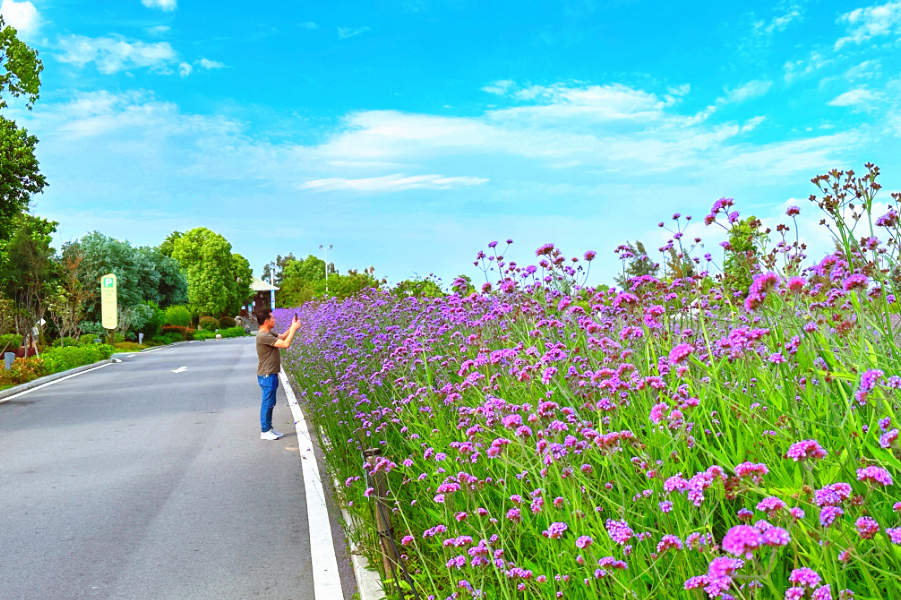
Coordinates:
[264,296]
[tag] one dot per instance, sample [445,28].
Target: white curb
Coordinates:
[369,584]
[326,577]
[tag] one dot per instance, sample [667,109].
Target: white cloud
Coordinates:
[164,5]
[752,89]
[868,69]
[21,15]
[184,69]
[801,68]
[621,174]
[499,88]
[112,55]
[748,91]
[346,32]
[309,25]
[393,183]
[206,63]
[778,23]
[858,97]
[869,22]
[158,30]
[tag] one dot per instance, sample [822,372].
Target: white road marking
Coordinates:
[179,370]
[129,356]
[52,382]
[326,579]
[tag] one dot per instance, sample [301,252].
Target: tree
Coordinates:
[206,259]
[280,263]
[20,68]
[242,275]
[678,265]
[168,244]
[345,286]
[27,270]
[20,178]
[638,265]
[143,273]
[70,302]
[19,174]
[304,279]
[422,287]
[311,268]
[172,287]
[294,292]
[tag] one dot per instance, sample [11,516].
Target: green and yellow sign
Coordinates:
[108,302]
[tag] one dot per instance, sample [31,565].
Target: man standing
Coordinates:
[268,344]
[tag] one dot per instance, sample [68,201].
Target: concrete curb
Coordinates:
[48,378]
[369,584]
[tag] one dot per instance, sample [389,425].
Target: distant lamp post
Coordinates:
[322,247]
[272,283]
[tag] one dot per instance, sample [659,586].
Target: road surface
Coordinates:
[135,482]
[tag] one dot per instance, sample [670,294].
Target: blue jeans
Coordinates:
[269,384]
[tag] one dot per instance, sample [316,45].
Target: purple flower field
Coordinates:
[676,439]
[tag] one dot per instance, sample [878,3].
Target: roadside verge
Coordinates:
[10,393]
[326,583]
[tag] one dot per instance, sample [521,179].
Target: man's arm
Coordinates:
[285,339]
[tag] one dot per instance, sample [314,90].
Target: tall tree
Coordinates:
[143,272]
[27,269]
[168,244]
[278,272]
[309,269]
[242,275]
[206,259]
[20,71]
[68,305]
[172,287]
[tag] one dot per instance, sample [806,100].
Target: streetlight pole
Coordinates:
[322,247]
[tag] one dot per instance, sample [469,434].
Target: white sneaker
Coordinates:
[278,433]
[269,435]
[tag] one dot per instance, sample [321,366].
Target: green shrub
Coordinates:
[69,357]
[208,323]
[232,332]
[183,333]
[66,341]
[150,324]
[178,316]
[200,334]
[94,328]
[10,341]
[88,338]
[164,338]
[129,346]
[226,322]
[23,370]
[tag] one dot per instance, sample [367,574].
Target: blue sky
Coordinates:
[409,134]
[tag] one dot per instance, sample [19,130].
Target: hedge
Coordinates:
[69,357]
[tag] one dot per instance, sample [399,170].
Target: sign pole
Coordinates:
[109,304]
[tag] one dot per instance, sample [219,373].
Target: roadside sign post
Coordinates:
[109,304]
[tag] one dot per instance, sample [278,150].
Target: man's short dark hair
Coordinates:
[263,315]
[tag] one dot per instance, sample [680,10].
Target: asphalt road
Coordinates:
[134,482]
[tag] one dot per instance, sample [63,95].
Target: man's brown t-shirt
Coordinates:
[270,359]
